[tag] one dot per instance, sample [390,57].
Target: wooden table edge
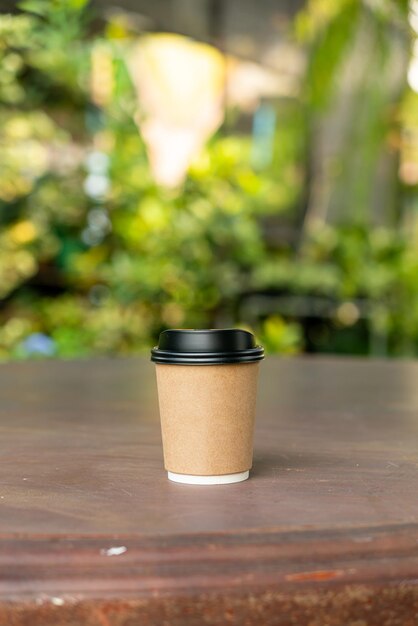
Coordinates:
[135,565]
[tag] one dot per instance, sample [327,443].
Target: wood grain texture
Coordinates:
[324,532]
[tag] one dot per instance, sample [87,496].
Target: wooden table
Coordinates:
[325,533]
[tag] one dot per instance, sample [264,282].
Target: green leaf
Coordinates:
[34,6]
[78,4]
[329,52]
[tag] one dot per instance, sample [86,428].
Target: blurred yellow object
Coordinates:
[277,335]
[101,79]
[23,232]
[18,127]
[348,313]
[180,88]
[13,330]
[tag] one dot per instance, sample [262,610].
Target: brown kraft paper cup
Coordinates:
[207,417]
[207,387]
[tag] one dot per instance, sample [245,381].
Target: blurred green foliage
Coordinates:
[95,258]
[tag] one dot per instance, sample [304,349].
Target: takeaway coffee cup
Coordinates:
[207,386]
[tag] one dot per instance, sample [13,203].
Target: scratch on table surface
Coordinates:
[114,551]
[363,539]
[112,487]
[76,489]
[391,464]
[55,600]
[318,575]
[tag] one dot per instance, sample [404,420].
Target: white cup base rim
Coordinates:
[222,479]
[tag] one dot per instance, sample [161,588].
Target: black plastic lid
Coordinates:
[206,347]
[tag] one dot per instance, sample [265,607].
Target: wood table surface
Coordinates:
[325,532]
